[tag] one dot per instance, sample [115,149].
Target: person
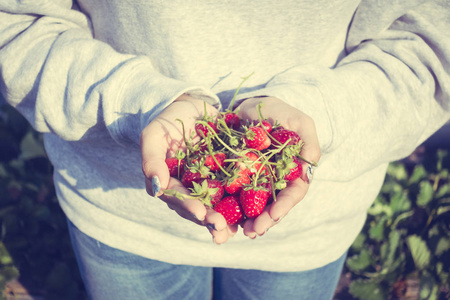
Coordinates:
[363,82]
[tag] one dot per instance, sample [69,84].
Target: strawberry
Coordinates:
[283,135]
[203,130]
[232,120]
[210,162]
[265,124]
[230,209]
[210,191]
[234,184]
[251,164]
[294,172]
[253,200]
[195,173]
[176,164]
[256,138]
[289,168]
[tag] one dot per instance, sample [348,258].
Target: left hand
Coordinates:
[275,109]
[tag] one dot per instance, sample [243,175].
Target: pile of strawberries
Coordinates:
[236,167]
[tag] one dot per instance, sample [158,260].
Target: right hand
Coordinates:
[161,139]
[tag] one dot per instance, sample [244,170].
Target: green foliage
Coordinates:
[34,242]
[407,233]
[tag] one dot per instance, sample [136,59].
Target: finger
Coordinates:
[154,150]
[214,220]
[263,222]
[287,199]
[311,149]
[190,209]
[248,229]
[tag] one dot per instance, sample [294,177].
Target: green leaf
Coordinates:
[397,171]
[394,242]
[425,193]
[428,288]
[358,263]
[378,207]
[400,202]
[419,251]
[443,190]
[358,243]
[376,230]
[367,290]
[418,174]
[442,245]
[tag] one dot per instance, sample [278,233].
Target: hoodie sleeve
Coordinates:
[68,83]
[386,96]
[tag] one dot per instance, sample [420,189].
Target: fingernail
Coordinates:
[201,220]
[211,226]
[252,237]
[156,185]
[277,219]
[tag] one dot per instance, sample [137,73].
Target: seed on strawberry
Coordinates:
[256,138]
[253,200]
[283,135]
[235,183]
[230,209]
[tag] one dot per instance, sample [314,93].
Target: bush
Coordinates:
[404,248]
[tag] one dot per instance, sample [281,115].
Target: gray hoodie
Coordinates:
[373,75]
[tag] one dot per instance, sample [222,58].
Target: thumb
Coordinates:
[153,153]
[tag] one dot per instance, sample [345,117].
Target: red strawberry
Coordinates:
[296,171]
[264,123]
[213,166]
[253,200]
[176,166]
[203,130]
[215,184]
[195,173]
[234,184]
[232,120]
[256,138]
[250,167]
[230,209]
[283,135]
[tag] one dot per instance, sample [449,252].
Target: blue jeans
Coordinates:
[112,274]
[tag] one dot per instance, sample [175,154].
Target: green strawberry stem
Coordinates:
[314,164]
[178,195]
[214,134]
[261,118]
[210,150]
[244,79]
[186,142]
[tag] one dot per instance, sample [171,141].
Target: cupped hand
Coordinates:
[161,139]
[275,109]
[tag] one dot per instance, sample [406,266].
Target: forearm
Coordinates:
[66,82]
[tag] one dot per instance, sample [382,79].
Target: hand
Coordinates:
[161,139]
[277,110]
